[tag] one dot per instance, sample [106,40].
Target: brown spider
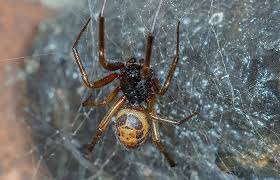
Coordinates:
[139,86]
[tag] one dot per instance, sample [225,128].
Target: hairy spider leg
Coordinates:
[105,122]
[156,134]
[161,90]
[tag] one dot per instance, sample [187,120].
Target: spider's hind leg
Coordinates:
[155,132]
[160,146]
[175,122]
[105,122]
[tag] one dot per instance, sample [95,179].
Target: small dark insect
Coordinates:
[139,86]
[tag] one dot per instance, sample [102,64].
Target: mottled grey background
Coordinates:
[229,66]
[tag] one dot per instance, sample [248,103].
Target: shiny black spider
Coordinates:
[139,86]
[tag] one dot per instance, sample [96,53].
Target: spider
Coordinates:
[135,109]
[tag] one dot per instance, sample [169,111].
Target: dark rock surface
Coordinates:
[229,67]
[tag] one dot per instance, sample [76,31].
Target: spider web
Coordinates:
[229,67]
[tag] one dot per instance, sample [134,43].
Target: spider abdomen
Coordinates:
[136,89]
[132,127]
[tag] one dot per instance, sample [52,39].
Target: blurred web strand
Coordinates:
[103,7]
[154,22]
[5,60]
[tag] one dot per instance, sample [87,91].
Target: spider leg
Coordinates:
[162,90]
[156,135]
[146,67]
[105,122]
[79,61]
[105,80]
[111,66]
[158,143]
[90,102]
[170,121]
[78,58]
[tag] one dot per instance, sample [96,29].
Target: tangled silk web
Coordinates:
[229,67]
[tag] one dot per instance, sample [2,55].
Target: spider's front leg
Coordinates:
[111,66]
[105,122]
[78,58]
[161,90]
[106,65]
[149,46]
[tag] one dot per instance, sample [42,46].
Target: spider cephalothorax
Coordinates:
[139,86]
[136,89]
